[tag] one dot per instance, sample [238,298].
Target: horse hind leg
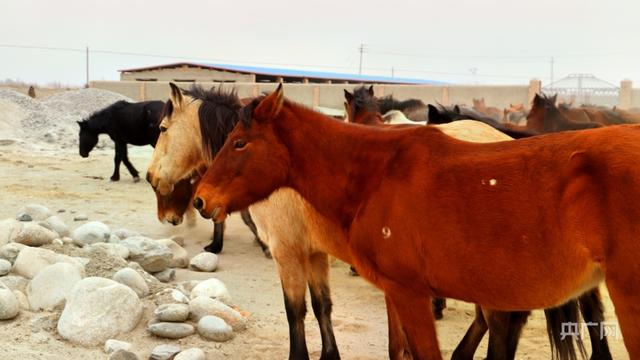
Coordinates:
[625,294]
[116,160]
[321,303]
[218,239]
[128,165]
[471,340]
[563,348]
[592,312]
[246,218]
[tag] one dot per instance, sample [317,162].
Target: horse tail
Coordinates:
[562,344]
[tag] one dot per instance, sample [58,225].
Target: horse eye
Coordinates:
[163,128]
[239,144]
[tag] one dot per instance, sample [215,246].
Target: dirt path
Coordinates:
[80,186]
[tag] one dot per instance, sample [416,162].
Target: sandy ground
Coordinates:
[63,180]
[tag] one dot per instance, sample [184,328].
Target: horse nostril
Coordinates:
[198,203]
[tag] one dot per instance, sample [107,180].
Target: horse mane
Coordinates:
[105,113]
[218,115]
[246,113]
[388,103]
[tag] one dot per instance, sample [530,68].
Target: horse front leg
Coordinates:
[398,345]
[127,163]
[321,303]
[592,311]
[246,218]
[217,240]
[471,340]
[117,159]
[414,311]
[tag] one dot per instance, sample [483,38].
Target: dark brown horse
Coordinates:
[425,213]
[546,117]
[504,327]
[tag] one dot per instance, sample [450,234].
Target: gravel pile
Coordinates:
[51,121]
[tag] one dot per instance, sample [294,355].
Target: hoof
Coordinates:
[115,178]
[213,248]
[136,179]
[353,271]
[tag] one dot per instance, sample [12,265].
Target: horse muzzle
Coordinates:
[218,214]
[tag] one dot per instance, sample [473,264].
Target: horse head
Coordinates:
[88,138]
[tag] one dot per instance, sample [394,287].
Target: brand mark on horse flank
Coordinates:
[386,232]
[492,182]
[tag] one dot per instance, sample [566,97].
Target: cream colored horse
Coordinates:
[299,238]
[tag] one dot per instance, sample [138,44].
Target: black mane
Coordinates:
[96,119]
[246,113]
[218,115]
[388,103]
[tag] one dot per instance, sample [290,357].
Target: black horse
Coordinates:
[125,123]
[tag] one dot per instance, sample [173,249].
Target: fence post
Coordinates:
[626,94]
[316,96]
[535,86]
[445,95]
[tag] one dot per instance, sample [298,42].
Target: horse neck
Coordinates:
[99,124]
[334,171]
[368,118]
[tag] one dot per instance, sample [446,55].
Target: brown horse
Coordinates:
[545,117]
[504,327]
[492,112]
[173,207]
[515,114]
[425,214]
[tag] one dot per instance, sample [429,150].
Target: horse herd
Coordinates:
[455,209]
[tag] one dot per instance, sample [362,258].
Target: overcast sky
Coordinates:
[502,41]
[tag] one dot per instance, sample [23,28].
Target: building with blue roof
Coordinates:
[206,72]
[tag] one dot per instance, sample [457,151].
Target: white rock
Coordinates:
[180,257]
[9,305]
[123,355]
[212,288]
[124,233]
[112,249]
[22,300]
[178,240]
[57,242]
[214,328]
[113,239]
[172,312]
[32,234]
[113,345]
[31,260]
[166,276]
[36,211]
[205,261]
[164,352]
[150,254]
[8,228]
[171,330]
[179,296]
[203,306]
[50,287]
[5,267]
[10,251]
[132,279]
[191,354]
[91,233]
[15,282]
[99,309]
[56,224]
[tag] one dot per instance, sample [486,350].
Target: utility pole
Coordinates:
[362,50]
[392,72]
[87,63]
[552,61]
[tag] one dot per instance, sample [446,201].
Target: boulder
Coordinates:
[132,279]
[123,355]
[172,312]
[91,233]
[9,305]
[10,251]
[56,224]
[15,282]
[31,260]
[8,229]
[32,234]
[124,233]
[150,254]
[5,267]
[50,287]
[191,354]
[180,257]
[22,300]
[205,261]
[37,212]
[99,309]
[166,276]
[212,288]
[164,352]
[203,306]
[214,328]
[113,345]
[171,330]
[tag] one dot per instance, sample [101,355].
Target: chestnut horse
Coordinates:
[425,214]
[504,327]
[492,112]
[174,206]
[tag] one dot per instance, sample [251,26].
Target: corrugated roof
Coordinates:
[581,81]
[246,69]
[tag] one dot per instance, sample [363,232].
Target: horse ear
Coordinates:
[456,109]
[554,98]
[371,90]
[271,105]
[348,95]
[176,95]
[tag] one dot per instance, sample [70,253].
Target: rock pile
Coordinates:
[96,283]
